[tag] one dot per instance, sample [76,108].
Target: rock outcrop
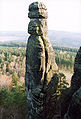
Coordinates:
[74,109]
[41,77]
[76,78]
[74,102]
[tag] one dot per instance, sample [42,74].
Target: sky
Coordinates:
[63,15]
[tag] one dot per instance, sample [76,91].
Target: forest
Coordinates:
[12,74]
[64,57]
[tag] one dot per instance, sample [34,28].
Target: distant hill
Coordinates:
[68,39]
[58,38]
[13,36]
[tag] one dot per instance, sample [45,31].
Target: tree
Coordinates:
[15,78]
[7,67]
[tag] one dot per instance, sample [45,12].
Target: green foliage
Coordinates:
[13,44]
[15,78]
[65,49]
[62,83]
[7,67]
[1,59]
[14,97]
[11,59]
[1,66]
[65,57]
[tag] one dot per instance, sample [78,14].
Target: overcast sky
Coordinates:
[63,15]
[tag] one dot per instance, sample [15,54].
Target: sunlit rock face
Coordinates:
[41,77]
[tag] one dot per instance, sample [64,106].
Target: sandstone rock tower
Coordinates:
[41,70]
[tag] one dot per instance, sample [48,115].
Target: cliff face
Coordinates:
[41,69]
[74,108]
[76,78]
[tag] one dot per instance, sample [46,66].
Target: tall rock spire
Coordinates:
[41,69]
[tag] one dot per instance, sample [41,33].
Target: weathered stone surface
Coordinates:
[37,14]
[76,78]
[37,10]
[38,27]
[74,100]
[35,60]
[74,109]
[36,6]
[51,100]
[41,78]
[41,67]
[40,59]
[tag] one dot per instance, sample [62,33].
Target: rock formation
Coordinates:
[41,77]
[74,102]
[76,78]
[74,109]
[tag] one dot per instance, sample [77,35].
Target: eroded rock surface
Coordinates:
[76,78]
[74,102]
[41,69]
[74,109]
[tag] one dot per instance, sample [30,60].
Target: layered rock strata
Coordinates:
[41,78]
